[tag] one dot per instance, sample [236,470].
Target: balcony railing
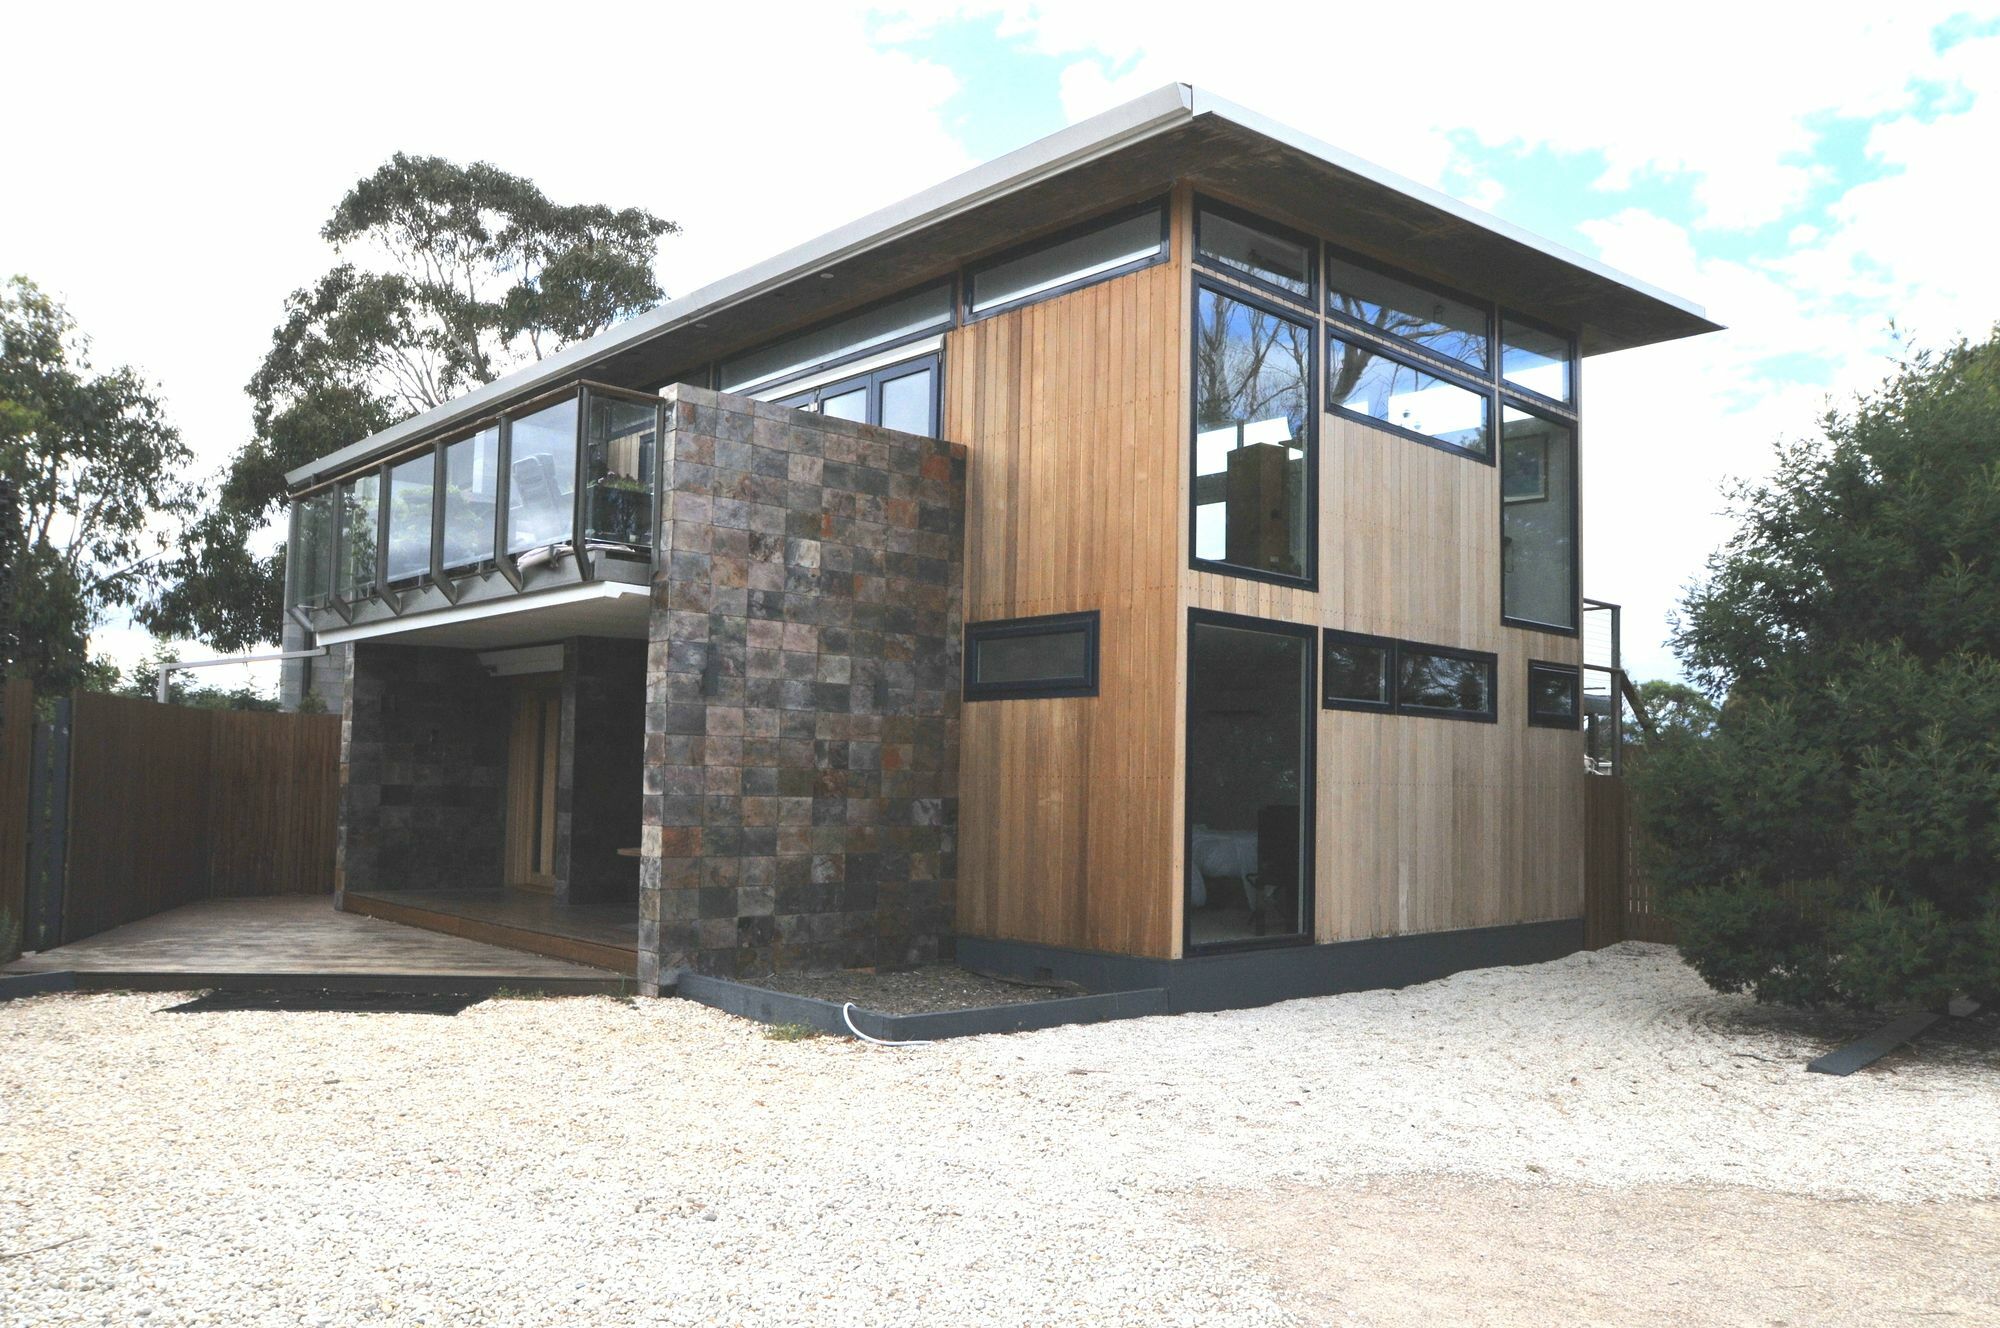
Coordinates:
[569,479]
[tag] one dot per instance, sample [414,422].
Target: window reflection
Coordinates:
[358,498]
[1438,323]
[1537,520]
[409,551]
[1257,253]
[618,461]
[1443,683]
[541,478]
[1252,419]
[1534,360]
[1365,382]
[470,467]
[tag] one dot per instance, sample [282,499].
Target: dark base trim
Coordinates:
[1262,977]
[782,1007]
[403,984]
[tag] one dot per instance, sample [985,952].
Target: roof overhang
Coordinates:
[1174,133]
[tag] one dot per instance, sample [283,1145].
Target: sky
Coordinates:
[1821,177]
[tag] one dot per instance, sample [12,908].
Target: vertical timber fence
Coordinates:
[1619,902]
[127,808]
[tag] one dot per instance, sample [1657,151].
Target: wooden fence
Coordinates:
[1619,902]
[146,807]
[17,744]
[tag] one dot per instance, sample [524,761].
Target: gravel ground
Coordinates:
[602,1162]
[923,990]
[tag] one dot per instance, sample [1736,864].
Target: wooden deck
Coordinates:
[601,935]
[295,940]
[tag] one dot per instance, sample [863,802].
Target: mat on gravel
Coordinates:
[333,1002]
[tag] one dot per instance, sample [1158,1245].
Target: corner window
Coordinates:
[901,396]
[1017,658]
[1367,384]
[1447,683]
[1099,250]
[1537,361]
[1357,672]
[1253,439]
[1555,695]
[1537,521]
[355,574]
[1429,320]
[1260,252]
[309,552]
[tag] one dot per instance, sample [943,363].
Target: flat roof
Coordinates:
[1177,132]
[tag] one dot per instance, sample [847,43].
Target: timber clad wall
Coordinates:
[1076,413]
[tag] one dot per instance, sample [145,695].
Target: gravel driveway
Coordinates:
[589,1161]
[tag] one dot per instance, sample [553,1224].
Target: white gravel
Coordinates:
[589,1161]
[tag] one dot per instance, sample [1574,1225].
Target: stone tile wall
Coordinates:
[802,689]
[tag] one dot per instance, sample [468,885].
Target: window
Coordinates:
[1537,521]
[355,573]
[1533,360]
[1440,324]
[618,443]
[1107,248]
[1253,440]
[1441,681]
[408,554]
[1366,384]
[900,396]
[1555,695]
[1249,777]
[541,478]
[470,467]
[877,327]
[1357,672]
[1017,658]
[309,552]
[1257,251]
[1406,677]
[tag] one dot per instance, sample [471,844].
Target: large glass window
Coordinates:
[1537,520]
[471,466]
[1253,424]
[1440,324]
[1363,382]
[901,319]
[1104,249]
[619,439]
[1027,657]
[358,499]
[309,552]
[1534,360]
[1259,251]
[1452,684]
[409,551]
[1250,728]
[541,478]
[901,396]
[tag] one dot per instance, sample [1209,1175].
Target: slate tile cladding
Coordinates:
[423,770]
[801,764]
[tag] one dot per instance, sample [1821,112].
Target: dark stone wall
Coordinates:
[423,770]
[598,776]
[802,688]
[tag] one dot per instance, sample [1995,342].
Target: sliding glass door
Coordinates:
[1250,727]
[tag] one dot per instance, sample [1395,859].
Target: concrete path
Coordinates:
[293,935]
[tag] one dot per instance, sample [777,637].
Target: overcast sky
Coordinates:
[1807,172]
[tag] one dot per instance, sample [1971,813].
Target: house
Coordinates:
[1151,557]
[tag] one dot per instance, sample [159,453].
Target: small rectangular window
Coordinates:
[1554,695]
[1435,322]
[1358,672]
[1014,658]
[1535,361]
[1441,681]
[1104,249]
[1257,251]
[1367,384]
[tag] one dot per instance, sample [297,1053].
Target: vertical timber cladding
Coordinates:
[1425,824]
[1073,416]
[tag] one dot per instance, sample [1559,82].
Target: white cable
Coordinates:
[880,1042]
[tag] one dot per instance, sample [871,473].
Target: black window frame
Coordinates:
[760,388]
[1574,674]
[1382,346]
[1489,307]
[1308,782]
[1574,423]
[970,273]
[1527,394]
[1048,624]
[873,380]
[1308,301]
[1486,657]
[1327,701]
[1315,405]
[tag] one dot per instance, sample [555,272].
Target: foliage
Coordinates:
[1675,707]
[1832,832]
[90,489]
[143,681]
[481,272]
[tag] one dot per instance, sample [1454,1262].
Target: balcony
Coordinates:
[552,503]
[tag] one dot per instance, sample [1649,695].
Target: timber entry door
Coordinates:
[531,786]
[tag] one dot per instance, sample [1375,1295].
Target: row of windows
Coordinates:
[1057,655]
